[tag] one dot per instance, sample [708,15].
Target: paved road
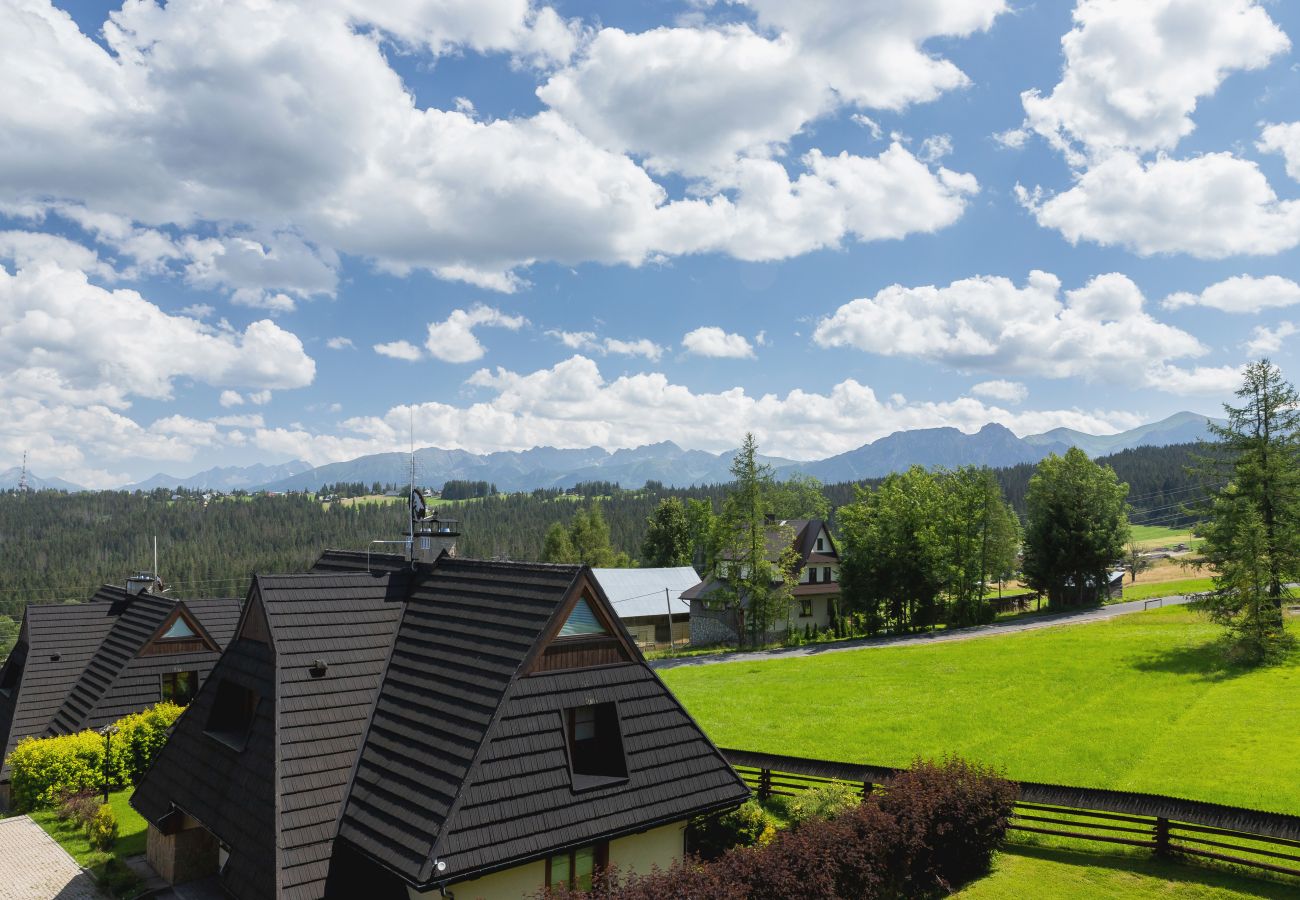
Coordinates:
[912,640]
[34,867]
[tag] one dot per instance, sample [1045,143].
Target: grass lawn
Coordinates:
[1050,873]
[131,836]
[1147,536]
[1141,702]
[1151,589]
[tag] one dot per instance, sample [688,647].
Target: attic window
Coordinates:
[595,745]
[179,631]
[180,687]
[582,621]
[231,718]
[821,543]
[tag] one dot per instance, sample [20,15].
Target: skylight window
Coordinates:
[595,745]
[582,621]
[231,718]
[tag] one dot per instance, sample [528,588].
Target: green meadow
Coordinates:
[1141,702]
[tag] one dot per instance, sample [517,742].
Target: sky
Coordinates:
[256,231]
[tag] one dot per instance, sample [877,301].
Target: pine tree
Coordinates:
[557,548]
[1252,535]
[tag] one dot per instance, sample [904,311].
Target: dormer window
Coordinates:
[231,717]
[595,743]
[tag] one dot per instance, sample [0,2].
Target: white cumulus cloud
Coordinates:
[1209,206]
[1283,139]
[399,350]
[1098,332]
[1001,389]
[712,341]
[1241,294]
[1134,71]
[453,340]
[1265,340]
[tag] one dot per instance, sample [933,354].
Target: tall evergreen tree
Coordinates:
[556,547]
[1077,528]
[978,538]
[1252,535]
[757,562]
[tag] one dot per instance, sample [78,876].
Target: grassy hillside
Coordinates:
[1141,702]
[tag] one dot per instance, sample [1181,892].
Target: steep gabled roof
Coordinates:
[467,629]
[59,640]
[276,802]
[465,768]
[97,676]
[361,561]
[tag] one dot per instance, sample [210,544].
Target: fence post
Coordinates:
[1162,836]
[764,784]
[866,789]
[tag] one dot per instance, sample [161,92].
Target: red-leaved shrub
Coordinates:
[935,828]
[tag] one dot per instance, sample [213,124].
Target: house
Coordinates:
[393,727]
[84,665]
[816,595]
[649,602]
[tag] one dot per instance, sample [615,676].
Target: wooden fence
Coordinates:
[1168,826]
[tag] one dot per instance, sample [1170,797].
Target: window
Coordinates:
[826,574]
[180,687]
[232,712]
[595,745]
[821,543]
[575,868]
[179,631]
[805,606]
[582,621]
[812,574]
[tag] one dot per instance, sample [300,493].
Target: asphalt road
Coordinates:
[1049,620]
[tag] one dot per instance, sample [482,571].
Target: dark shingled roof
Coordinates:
[425,740]
[97,677]
[310,725]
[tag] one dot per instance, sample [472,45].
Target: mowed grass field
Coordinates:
[1141,702]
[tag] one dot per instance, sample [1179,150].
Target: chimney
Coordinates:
[430,537]
[141,583]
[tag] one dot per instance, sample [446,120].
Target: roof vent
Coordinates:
[318,668]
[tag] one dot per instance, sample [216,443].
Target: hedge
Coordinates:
[42,770]
[936,827]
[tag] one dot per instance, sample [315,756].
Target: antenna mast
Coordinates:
[23,486]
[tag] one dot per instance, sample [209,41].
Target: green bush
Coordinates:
[825,802]
[101,831]
[748,825]
[45,770]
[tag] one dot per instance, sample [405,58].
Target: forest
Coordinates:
[58,547]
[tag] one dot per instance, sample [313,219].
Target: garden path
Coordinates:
[34,867]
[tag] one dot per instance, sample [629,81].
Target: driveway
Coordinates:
[34,867]
[1049,620]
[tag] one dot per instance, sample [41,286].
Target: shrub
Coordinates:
[102,829]
[43,770]
[77,806]
[935,828]
[747,825]
[951,816]
[825,802]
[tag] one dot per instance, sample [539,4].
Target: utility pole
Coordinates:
[672,648]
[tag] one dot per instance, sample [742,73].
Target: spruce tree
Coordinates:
[1252,533]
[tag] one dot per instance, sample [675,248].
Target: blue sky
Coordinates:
[241,232]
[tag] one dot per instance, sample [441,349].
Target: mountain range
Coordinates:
[544,467]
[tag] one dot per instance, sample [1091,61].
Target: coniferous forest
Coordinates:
[59,547]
